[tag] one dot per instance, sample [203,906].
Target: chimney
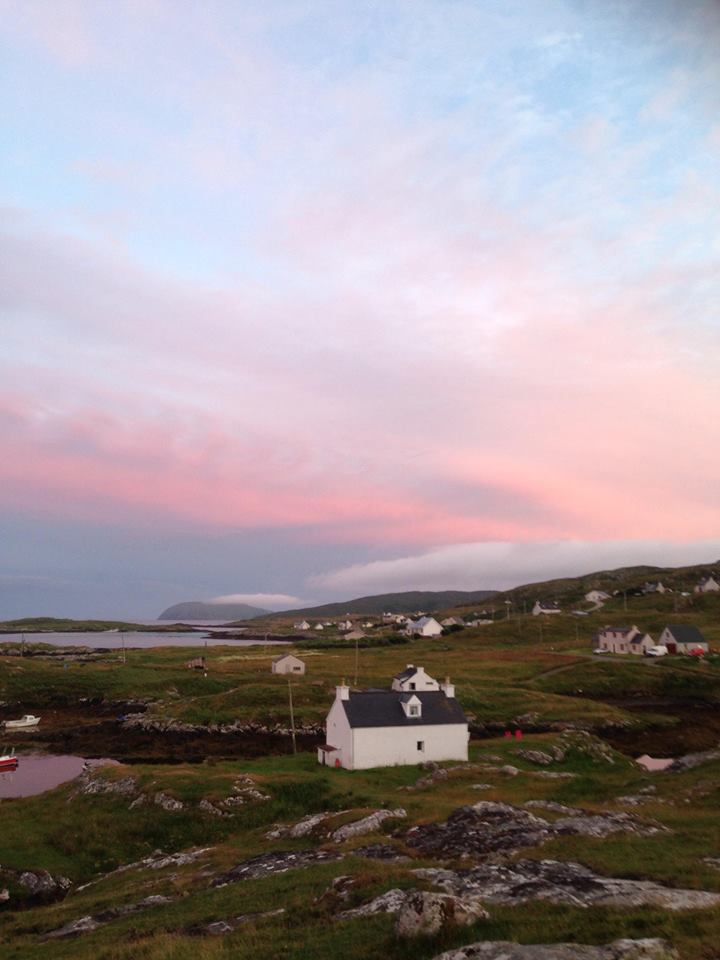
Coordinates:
[409,666]
[342,691]
[448,688]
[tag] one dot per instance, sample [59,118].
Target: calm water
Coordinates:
[37,773]
[114,640]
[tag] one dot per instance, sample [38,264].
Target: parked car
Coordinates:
[600,650]
[657,651]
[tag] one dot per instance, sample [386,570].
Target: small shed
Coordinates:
[288,663]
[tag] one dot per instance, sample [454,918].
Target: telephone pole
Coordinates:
[292,716]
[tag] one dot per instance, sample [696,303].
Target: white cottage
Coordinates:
[412,679]
[386,728]
[288,663]
[682,638]
[424,627]
[597,596]
[708,585]
[546,606]
[623,640]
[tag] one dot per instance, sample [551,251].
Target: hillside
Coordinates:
[198,610]
[426,600]
[573,589]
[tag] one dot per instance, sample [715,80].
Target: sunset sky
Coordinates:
[317,298]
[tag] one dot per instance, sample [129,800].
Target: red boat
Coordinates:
[8,761]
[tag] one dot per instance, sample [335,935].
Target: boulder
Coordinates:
[44,885]
[536,756]
[426,914]
[167,802]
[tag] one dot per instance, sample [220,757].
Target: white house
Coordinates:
[597,596]
[546,606]
[288,663]
[354,635]
[623,640]
[452,622]
[301,625]
[386,728]
[708,585]
[345,625]
[319,626]
[424,627]
[653,586]
[682,638]
[412,679]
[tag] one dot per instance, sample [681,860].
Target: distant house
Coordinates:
[288,663]
[413,678]
[319,626]
[354,635]
[424,627]
[546,606]
[197,663]
[653,586]
[345,625]
[708,585]
[301,625]
[452,622]
[623,640]
[597,596]
[682,638]
[385,728]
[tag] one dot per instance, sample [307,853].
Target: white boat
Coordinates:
[27,721]
[8,760]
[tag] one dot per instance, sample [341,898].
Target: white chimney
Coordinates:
[448,688]
[342,691]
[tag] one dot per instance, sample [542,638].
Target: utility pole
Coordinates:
[357,659]
[625,600]
[292,716]
[122,640]
[22,646]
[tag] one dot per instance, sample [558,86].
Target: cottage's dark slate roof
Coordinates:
[406,673]
[383,708]
[686,633]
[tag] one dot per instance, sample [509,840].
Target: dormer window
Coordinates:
[412,706]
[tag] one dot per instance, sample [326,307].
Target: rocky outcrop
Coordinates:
[219,928]
[90,784]
[426,914]
[389,902]
[692,760]
[153,723]
[553,807]
[302,828]
[650,949]
[488,827]
[556,882]
[164,800]
[90,923]
[275,862]
[368,824]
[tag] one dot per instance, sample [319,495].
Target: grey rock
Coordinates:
[42,884]
[389,902]
[553,807]
[604,824]
[276,862]
[72,929]
[167,802]
[482,828]
[692,760]
[509,770]
[648,949]
[426,914]
[210,808]
[536,756]
[568,883]
[553,775]
[366,825]
[95,785]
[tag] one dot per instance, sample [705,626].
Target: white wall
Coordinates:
[289,665]
[422,681]
[393,746]
[338,733]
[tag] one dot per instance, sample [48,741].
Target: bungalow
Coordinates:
[288,663]
[385,728]
[546,606]
[708,585]
[682,638]
[424,627]
[301,625]
[413,678]
[623,640]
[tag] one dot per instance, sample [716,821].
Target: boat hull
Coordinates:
[8,763]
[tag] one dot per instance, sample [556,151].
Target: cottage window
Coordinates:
[412,686]
[421,746]
[414,710]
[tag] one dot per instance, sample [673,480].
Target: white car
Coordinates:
[600,650]
[658,651]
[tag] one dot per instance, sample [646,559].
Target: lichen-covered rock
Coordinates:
[426,914]
[366,825]
[44,885]
[509,770]
[536,756]
[279,861]
[553,807]
[692,760]
[649,949]
[389,902]
[566,883]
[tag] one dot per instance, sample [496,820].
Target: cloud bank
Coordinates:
[269,601]
[500,566]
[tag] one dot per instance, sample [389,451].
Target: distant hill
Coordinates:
[426,600]
[198,610]
[572,589]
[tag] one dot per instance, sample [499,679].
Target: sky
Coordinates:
[305,299]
